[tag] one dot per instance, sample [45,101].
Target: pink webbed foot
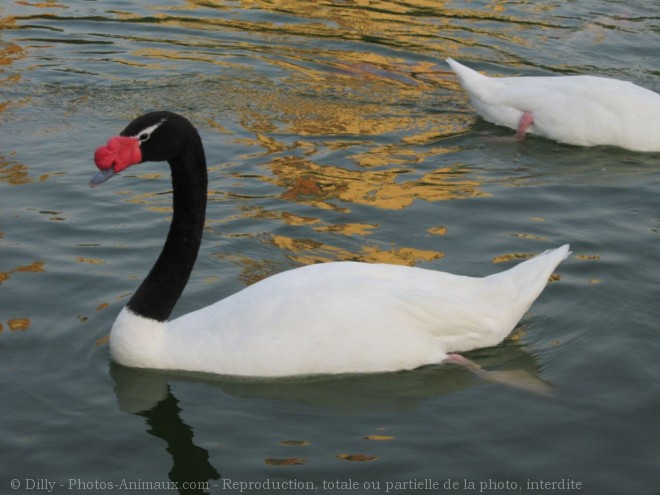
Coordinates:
[525,122]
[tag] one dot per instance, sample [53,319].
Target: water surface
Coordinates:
[334,131]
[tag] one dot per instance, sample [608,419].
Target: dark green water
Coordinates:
[334,131]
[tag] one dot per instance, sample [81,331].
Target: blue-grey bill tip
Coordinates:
[101,176]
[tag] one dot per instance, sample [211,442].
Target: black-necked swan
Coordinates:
[578,110]
[338,317]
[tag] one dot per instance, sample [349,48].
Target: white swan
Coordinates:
[578,110]
[341,317]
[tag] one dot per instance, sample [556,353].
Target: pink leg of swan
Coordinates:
[524,123]
[463,361]
[457,359]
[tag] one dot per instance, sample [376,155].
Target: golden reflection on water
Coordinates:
[328,93]
[19,323]
[13,172]
[365,93]
[411,24]
[349,229]
[310,251]
[310,183]
[251,211]
[35,267]
[9,53]
[330,100]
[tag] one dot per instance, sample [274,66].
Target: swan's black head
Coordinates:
[152,137]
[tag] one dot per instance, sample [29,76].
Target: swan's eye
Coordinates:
[146,132]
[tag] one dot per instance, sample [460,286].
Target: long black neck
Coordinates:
[160,290]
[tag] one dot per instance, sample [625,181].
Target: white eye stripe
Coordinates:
[145,134]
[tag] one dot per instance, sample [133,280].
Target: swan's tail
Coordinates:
[477,85]
[523,283]
[468,77]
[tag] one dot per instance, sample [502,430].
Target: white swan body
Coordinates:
[578,110]
[340,317]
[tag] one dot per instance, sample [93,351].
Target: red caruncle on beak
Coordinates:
[120,153]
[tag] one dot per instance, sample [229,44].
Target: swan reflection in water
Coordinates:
[147,393]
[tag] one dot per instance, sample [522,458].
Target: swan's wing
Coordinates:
[327,319]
